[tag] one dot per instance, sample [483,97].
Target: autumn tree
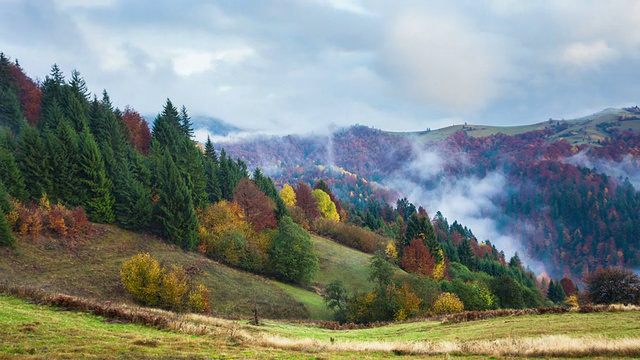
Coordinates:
[613,286]
[288,194]
[138,129]
[257,207]
[306,201]
[326,206]
[568,286]
[142,277]
[417,258]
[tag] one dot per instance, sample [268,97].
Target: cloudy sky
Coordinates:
[308,65]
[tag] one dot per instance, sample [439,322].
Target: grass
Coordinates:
[90,269]
[58,267]
[339,262]
[38,331]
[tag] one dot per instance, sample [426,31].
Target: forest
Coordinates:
[69,158]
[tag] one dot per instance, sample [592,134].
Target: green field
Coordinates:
[38,331]
[584,130]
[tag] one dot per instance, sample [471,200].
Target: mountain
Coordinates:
[561,192]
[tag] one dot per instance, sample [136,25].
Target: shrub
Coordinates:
[175,285]
[199,300]
[447,303]
[142,276]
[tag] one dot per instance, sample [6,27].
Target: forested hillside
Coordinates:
[571,204]
[70,159]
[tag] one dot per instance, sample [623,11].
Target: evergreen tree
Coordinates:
[174,212]
[465,254]
[266,185]
[212,183]
[6,238]
[9,171]
[185,123]
[64,148]
[10,112]
[555,292]
[210,151]
[32,159]
[133,207]
[95,186]
[52,94]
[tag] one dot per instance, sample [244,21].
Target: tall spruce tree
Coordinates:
[96,188]
[6,238]
[33,162]
[174,212]
[9,171]
[133,207]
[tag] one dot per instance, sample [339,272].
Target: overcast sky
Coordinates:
[308,65]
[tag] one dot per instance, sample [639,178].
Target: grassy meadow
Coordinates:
[38,331]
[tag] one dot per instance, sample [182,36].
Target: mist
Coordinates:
[628,168]
[470,200]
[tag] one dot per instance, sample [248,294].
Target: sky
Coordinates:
[304,66]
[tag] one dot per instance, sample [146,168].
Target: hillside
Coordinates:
[562,192]
[72,267]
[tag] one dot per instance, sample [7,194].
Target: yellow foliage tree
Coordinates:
[391,252]
[175,285]
[438,269]
[288,195]
[447,303]
[409,304]
[326,207]
[142,277]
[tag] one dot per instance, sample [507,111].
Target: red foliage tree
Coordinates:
[306,201]
[417,258]
[257,207]
[29,94]
[139,134]
[568,286]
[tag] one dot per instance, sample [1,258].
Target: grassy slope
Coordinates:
[580,131]
[30,330]
[91,270]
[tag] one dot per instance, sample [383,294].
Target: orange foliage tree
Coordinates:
[139,134]
[418,259]
[257,207]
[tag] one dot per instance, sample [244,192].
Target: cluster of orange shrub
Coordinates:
[40,218]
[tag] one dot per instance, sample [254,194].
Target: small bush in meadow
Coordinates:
[447,303]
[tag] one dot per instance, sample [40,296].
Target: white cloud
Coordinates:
[446,63]
[587,55]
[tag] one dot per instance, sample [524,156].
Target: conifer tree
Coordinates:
[10,112]
[174,212]
[64,148]
[212,183]
[96,187]
[133,207]
[32,159]
[210,151]
[9,171]
[6,238]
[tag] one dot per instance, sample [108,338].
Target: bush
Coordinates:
[142,276]
[447,303]
[151,284]
[613,286]
[199,300]
[175,285]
